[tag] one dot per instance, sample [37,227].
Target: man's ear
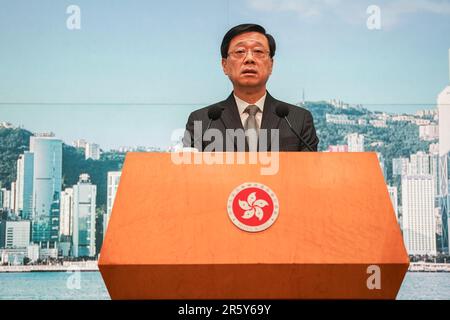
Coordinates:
[224,66]
[271,65]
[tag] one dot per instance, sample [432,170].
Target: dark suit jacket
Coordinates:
[300,119]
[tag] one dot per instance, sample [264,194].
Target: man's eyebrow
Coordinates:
[244,42]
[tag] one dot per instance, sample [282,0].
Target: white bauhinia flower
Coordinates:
[253,206]
[251,198]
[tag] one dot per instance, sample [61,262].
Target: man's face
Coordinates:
[246,65]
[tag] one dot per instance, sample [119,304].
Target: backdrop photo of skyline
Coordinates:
[133,71]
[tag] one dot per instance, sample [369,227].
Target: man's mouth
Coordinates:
[249,72]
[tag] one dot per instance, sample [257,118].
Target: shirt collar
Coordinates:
[241,104]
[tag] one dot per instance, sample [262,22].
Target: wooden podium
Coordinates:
[170,235]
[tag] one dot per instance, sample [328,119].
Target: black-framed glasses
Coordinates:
[241,53]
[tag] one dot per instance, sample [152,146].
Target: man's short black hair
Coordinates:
[242,28]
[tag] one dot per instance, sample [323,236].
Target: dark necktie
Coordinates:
[251,127]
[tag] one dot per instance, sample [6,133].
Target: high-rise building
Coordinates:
[400,166]
[437,216]
[2,232]
[83,239]
[112,185]
[382,164]
[13,198]
[419,224]
[429,132]
[66,213]
[434,148]
[6,198]
[80,143]
[434,171]
[47,166]
[92,151]
[355,142]
[15,234]
[66,223]
[394,199]
[24,185]
[443,102]
[419,164]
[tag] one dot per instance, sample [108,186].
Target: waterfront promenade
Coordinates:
[66,266]
[92,266]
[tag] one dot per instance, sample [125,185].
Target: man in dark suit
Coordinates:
[247,59]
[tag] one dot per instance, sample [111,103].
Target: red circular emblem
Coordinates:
[253,207]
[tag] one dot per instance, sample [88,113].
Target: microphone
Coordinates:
[282,111]
[214,113]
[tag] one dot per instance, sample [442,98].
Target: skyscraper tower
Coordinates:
[84,206]
[419,224]
[47,167]
[443,102]
[24,184]
[113,184]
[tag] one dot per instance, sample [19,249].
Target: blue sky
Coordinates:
[164,56]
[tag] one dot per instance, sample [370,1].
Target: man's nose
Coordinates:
[249,57]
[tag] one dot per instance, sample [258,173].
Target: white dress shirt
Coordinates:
[242,105]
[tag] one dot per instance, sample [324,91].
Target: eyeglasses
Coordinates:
[241,53]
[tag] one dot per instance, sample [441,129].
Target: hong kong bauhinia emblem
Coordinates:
[253,207]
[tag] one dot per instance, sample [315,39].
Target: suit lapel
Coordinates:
[231,118]
[230,113]
[270,120]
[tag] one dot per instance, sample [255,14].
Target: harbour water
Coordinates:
[90,286]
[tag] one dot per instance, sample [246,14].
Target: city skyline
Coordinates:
[419,181]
